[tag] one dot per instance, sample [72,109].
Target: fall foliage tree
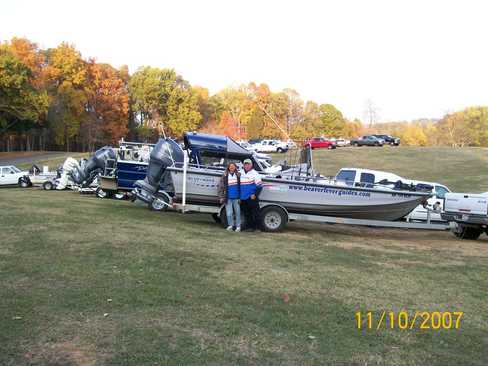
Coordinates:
[164,101]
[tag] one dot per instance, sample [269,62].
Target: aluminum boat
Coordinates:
[298,188]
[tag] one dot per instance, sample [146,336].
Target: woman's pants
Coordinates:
[232,207]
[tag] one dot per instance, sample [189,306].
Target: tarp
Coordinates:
[214,143]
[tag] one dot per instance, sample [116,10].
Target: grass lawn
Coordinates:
[87,281]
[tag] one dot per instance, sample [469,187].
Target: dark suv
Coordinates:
[394,141]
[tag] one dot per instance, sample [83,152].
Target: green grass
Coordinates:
[185,292]
[54,162]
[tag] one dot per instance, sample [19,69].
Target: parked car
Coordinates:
[11,175]
[319,143]
[368,140]
[394,141]
[270,146]
[246,145]
[340,142]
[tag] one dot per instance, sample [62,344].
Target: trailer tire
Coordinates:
[273,219]
[119,195]
[468,232]
[160,202]
[101,193]
[47,186]
[216,218]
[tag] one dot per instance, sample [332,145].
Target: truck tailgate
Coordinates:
[468,203]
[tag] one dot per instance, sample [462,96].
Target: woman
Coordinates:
[229,193]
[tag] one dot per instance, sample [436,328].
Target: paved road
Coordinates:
[14,160]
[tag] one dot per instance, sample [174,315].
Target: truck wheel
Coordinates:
[355,144]
[279,150]
[24,182]
[468,233]
[273,219]
[47,186]
[160,202]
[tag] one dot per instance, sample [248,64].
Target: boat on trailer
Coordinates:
[194,177]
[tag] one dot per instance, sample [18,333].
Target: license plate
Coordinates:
[464,217]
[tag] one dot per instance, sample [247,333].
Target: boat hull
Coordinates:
[307,197]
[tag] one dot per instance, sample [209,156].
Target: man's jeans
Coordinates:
[232,207]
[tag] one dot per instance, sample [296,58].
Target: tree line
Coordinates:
[53,99]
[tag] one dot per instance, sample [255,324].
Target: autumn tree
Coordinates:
[107,105]
[164,101]
[66,75]
[22,104]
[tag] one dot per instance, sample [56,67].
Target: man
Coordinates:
[250,189]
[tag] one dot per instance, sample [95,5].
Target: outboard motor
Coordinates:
[165,153]
[89,169]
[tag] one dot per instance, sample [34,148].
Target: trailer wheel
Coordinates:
[101,193]
[467,232]
[273,219]
[216,218]
[119,195]
[160,202]
[47,186]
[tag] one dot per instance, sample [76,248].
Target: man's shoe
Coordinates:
[229,228]
[238,229]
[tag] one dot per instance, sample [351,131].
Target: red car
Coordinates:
[319,143]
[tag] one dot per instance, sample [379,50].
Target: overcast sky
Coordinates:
[413,59]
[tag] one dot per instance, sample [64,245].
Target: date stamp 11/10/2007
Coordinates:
[405,320]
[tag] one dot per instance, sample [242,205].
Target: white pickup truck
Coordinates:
[467,214]
[11,175]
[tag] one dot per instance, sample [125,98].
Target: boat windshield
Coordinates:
[347,176]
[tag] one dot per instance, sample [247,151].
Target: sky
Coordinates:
[412,59]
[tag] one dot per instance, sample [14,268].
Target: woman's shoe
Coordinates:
[229,228]
[238,229]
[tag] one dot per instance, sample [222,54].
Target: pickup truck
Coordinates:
[394,141]
[11,175]
[467,214]
[368,140]
[270,146]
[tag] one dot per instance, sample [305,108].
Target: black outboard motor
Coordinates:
[92,167]
[165,153]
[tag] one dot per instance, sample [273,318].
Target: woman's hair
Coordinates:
[228,167]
